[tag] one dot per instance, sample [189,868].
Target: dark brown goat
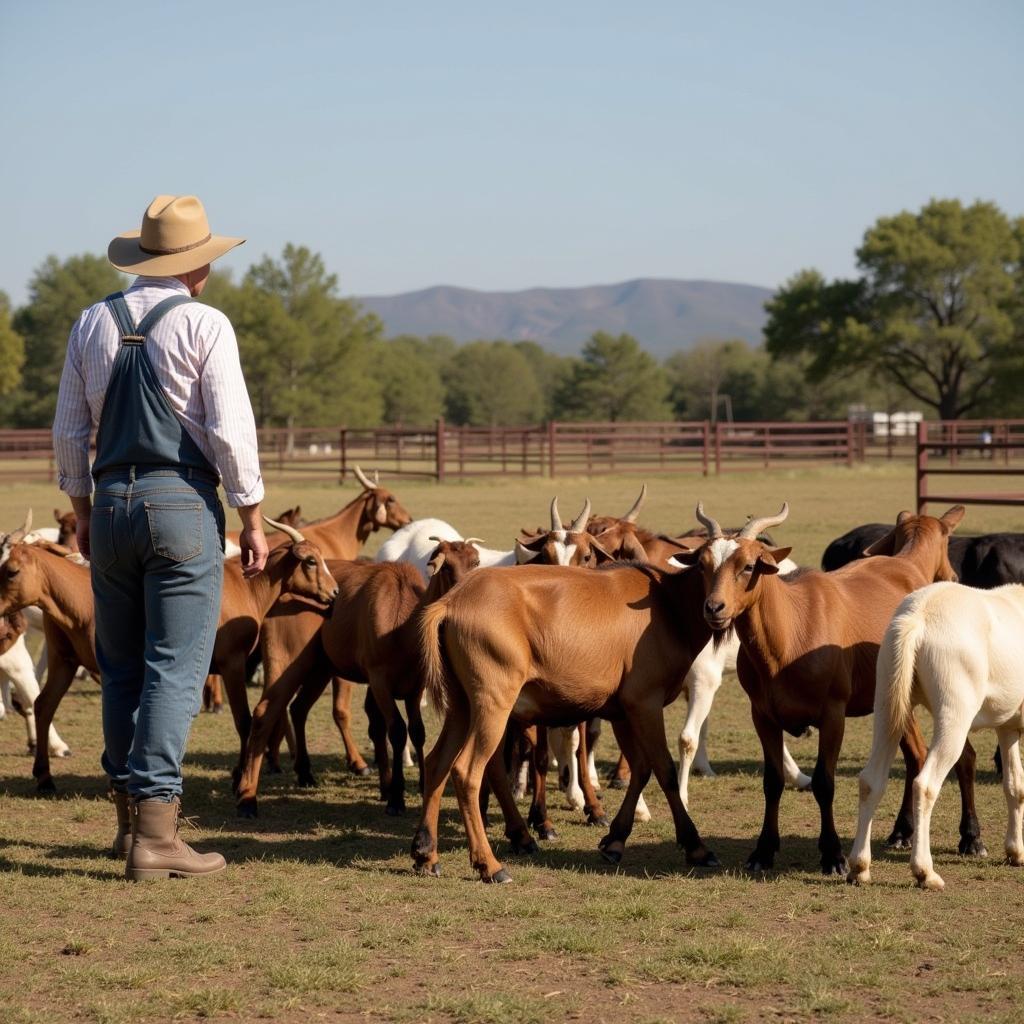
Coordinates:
[370,636]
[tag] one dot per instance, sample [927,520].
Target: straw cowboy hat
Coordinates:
[175,238]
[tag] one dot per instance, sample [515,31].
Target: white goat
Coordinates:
[958,651]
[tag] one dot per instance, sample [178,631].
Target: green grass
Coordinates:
[319,916]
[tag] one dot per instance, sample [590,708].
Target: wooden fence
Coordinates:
[447,452]
[971,449]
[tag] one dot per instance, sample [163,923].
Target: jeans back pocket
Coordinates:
[175,529]
[102,548]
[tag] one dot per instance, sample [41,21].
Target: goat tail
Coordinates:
[897,660]
[435,672]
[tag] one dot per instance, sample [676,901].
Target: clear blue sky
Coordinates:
[537,144]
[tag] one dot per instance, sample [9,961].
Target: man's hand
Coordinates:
[83,513]
[252,541]
[255,549]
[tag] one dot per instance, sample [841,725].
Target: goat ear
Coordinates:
[381,515]
[768,560]
[951,517]
[634,549]
[903,517]
[601,553]
[56,515]
[435,563]
[524,554]
[684,559]
[883,546]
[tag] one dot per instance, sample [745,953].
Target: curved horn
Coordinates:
[27,528]
[556,519]
[473,540]
[756,526]
[711,525]
[288,531]
[579,524]
[363,478]
[376,478]
[630,516]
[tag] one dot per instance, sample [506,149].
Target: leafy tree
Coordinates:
[407,371]
[937,308]
[12,350]
[701,378]
[614,380]
[58,292]
[491,383]
[552,371]
[306,351]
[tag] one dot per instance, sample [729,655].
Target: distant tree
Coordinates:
[12,352]
[58,292]
[551,370]
[306,351]
[614,380]
[937,308]
[491,383]
[700,378]
[407,371]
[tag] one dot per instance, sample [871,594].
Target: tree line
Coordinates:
[934,321]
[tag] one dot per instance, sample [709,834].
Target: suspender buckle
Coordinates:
[132,339]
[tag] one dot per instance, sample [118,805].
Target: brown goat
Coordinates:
[557,645]
[67,528]
[40,574]
[370,636]
[12,626]
[808,647]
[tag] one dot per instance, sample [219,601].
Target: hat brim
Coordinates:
[125,253]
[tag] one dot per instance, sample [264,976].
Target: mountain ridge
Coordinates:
[664,314]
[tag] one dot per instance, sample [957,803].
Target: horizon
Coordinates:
[506,151]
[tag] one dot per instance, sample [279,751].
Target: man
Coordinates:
[158,375]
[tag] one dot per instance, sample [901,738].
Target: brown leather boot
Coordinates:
[123,840]
[156,850]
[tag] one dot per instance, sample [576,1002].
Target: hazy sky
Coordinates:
[536,144]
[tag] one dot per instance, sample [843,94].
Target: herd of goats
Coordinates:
[598,619]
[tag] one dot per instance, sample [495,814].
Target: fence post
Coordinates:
[849,443]
[439,449]
[922,467]
[551,448]
[954,437]
[343,454]
[704,448]
[718,449]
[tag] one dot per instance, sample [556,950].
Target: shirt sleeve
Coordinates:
[72,424]
[230,424]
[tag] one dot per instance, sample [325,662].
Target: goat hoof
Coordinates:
[703,858]
[307,780]
[395,810]
[362,770]
[500,877]
[217,709]
[62,753]
[972,846]
[759,863]
[546,832]
[526,847]
[428,870]
[46,786]
[898,841]
[593,820]
[612,856]
[611,849]
[247,808]
[617,783]
[30,748]
[835,866]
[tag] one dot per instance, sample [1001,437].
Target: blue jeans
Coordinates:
[156,543]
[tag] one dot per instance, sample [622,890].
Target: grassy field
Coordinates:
[319,916]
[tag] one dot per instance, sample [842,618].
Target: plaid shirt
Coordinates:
[195,356]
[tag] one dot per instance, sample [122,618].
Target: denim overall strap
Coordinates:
[138,426]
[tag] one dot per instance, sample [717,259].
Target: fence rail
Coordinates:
[1002,441]
[447,452]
